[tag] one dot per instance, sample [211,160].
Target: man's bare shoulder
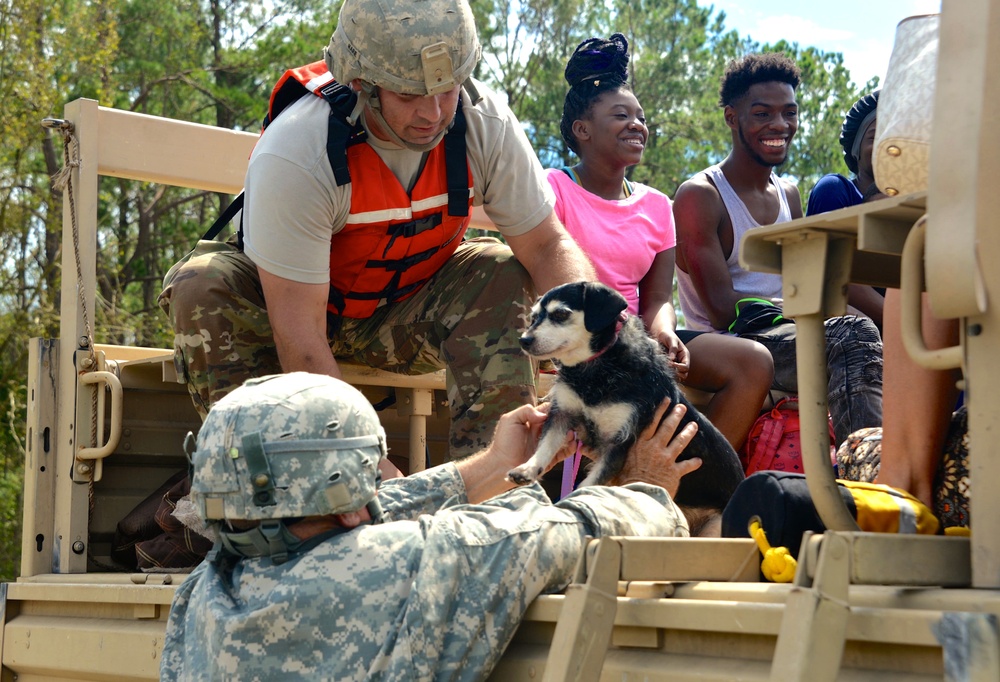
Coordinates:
[791,191]
[787,185]
[698,199]
[698,186]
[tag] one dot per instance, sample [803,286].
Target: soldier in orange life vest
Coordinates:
[351,245]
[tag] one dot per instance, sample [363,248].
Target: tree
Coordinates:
[209,62]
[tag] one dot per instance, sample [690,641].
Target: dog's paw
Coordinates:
[524,474]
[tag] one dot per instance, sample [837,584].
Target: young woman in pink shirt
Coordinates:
[627,229]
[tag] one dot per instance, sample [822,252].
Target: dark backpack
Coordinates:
[781,502]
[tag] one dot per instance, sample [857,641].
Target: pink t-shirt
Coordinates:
[621,237]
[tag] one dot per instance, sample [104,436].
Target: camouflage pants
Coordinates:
[467,319]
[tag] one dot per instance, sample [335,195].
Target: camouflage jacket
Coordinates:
[434,594]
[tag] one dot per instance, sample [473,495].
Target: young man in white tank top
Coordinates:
[714,208]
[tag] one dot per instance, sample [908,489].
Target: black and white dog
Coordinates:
[611,378]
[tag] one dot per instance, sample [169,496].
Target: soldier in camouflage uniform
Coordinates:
[315,577]
[294,297]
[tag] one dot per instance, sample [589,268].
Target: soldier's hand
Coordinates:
[517,433]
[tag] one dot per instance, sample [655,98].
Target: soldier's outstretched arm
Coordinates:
[514,441]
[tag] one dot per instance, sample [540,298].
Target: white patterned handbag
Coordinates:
[905,108]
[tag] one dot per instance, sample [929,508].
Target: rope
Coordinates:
[63,180]
[778,565]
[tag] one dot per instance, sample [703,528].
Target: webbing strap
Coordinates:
[224,219]
[341,134]
[456,166]
[259,470]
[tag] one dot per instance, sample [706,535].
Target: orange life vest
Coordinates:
[393,242]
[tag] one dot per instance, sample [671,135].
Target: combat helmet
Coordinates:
[280,448]
[414,48]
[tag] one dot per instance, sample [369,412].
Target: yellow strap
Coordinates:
[778,565]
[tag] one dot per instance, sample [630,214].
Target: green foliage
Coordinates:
[11,480]
[10,523]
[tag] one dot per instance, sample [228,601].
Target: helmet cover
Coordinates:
[286,446]
[415,48]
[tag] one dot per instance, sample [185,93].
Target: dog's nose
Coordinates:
[526,341]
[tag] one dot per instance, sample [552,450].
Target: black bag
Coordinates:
[785,508]
[756,314]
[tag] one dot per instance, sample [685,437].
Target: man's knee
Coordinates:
[757,363]
[855,341]
[505,267]
[209,281]
[184,284]
[853,329]
[496,282]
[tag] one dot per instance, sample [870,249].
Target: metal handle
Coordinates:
[911,287]
[115,434]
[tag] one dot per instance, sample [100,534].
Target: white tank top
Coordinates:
[746,283]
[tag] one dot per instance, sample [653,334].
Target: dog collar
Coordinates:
[619,323]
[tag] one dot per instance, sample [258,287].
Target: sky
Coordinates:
[862,30]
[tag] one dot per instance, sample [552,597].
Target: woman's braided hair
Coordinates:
[596,66]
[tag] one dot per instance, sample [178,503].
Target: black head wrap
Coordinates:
[596,60]
[596,66]
[855,124]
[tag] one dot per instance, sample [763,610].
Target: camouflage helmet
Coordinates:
[287,446]
[415,48]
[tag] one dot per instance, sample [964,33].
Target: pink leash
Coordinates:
[570,471]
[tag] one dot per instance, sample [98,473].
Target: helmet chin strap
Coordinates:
[271,538]
[368,96]
[375,109]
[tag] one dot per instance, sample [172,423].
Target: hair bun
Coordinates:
[597,59]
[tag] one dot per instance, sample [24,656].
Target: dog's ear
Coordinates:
[601,306]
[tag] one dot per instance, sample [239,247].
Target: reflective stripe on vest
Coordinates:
[393,242]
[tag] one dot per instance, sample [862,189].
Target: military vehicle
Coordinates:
[106,425]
